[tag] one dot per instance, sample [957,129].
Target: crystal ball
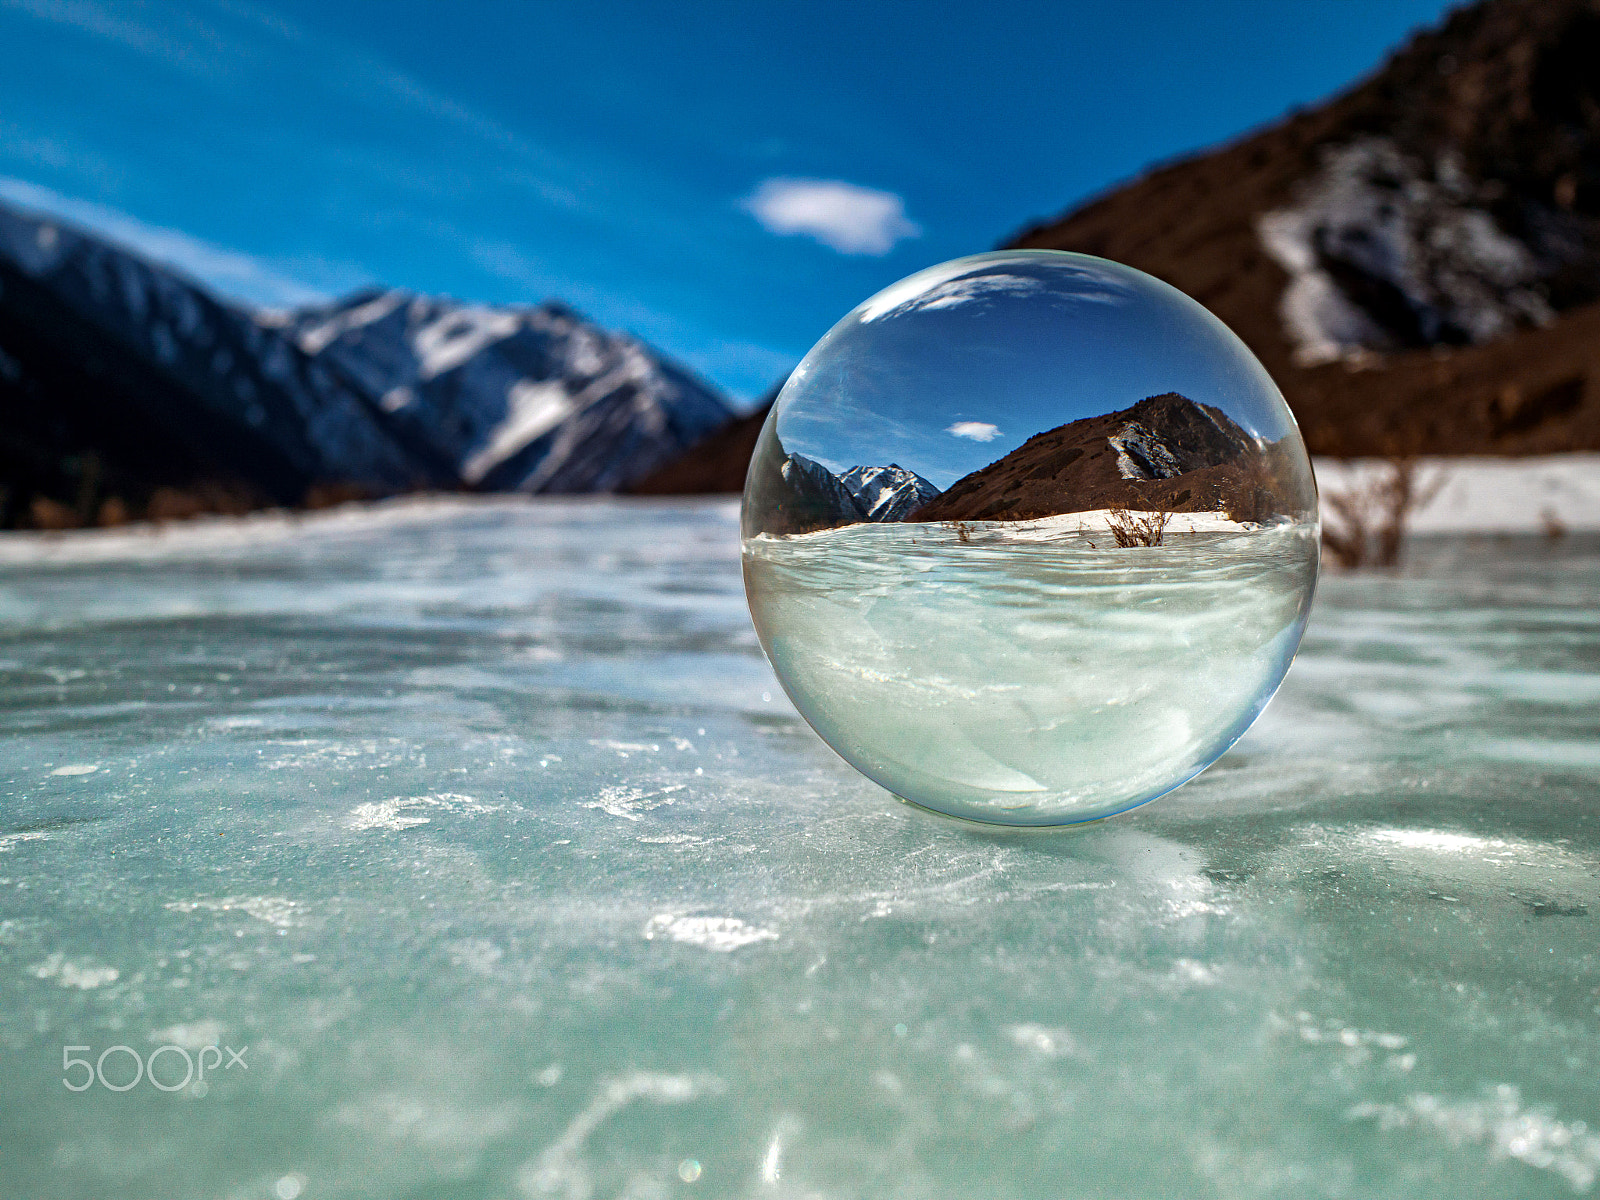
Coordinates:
[1030,538]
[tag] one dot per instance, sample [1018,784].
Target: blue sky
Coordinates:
[725,180]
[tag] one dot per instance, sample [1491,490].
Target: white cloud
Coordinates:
[910,288]
[965,291]
[847,218]
[920,293]
[977,431]
[226,271]
[982,277]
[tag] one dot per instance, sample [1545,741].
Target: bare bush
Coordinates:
[1139,528]
[963,530]
[1550,521]
[1370,515]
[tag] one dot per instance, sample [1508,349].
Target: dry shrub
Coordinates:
[45,513]
[1370,515]
[113,511]
[1139,528]
[204,498]
[1550,521]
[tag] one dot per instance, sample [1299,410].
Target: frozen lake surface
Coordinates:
[1029,680]
[485,835]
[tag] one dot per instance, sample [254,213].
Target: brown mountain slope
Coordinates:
[1449,205]
[717,464]
[1165,452]
[1498,112]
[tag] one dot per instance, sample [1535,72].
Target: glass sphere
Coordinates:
[1030,538]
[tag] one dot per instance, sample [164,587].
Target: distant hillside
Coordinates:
[129,391]
[1417,261]
[718,463]
[1165,452]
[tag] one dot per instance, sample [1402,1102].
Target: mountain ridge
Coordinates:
[1416,260]
[1165,452]
[132,391]
[887,493]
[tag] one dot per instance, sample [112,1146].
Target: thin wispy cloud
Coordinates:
[910,289]
[976,431]
[227,271]
[179,38]
[842,216]
[187,41]
[489,200]
[979,279]
[966,291]
[918,294]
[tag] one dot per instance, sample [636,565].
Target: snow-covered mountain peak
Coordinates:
[382,391]
[888,493]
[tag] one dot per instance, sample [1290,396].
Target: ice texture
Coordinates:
[486,830]
[993,674]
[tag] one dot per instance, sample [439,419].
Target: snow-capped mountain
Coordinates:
[806,495]
[887,493]
[820,489]
[119,377]
[511,398]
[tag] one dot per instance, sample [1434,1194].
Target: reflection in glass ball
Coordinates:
[1030,538]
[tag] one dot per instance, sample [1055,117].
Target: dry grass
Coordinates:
[1369,517]
[1139,528]
[963,530]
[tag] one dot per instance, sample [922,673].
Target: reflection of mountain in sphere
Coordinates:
[1030,538]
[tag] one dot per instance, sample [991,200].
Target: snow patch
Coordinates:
[1500,1123]
[1142,454]
[1489,495]
[629,803]
[533,409]
[82,976]
[404,812]
[316,338]
[714,933]
[888,493]
[1431,264]
[446,342]
[273,910]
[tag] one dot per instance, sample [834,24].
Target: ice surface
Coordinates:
[995,674]
[486,829]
